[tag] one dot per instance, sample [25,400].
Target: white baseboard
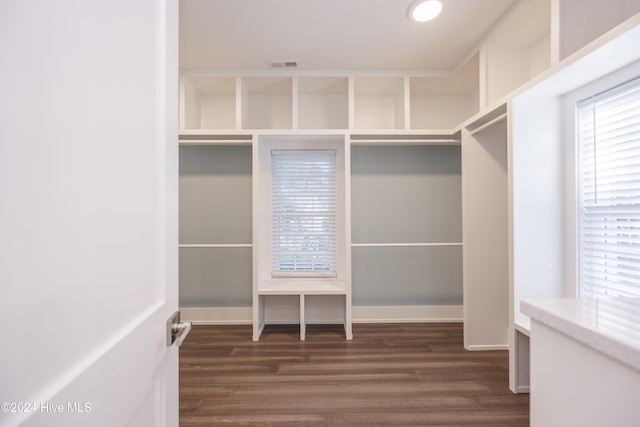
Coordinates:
[394,314]
[408,314]
[217,315]
[487,347]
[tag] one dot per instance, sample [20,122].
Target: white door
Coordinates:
[88,211]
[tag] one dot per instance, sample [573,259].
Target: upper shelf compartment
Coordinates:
[267,103]
[518,50]
[379,103]
[391,103]
[445,102]
[208,103]
[323,103]
[583,21]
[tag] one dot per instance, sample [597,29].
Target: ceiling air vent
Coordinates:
[283,64]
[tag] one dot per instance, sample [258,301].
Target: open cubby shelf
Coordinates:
[394,103]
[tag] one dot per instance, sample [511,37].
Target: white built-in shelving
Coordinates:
[359,104]
[378,103]
[208,103]
[469,108]
[542,217]
[520,47]
[485,230]
[446,101]
[581,22]
[531,38]
[215,246]
[323,103]
[267,103]
[406,249]
[517,50]
[299,299]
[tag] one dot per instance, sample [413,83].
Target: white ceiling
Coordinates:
[332,34]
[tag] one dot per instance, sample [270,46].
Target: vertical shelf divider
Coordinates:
[303,319]
[295,104]
[239,111]
[351,96]
[406,98]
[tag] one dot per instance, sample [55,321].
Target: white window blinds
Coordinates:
[609,192]
[304,213]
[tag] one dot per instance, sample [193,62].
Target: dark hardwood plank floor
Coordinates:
[389,375]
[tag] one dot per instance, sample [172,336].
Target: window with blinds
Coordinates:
[609,192]
[303,213]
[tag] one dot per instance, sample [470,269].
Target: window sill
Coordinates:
[303,287]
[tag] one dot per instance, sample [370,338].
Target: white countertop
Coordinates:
[609,325]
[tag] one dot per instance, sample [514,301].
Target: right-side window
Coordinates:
[609,192]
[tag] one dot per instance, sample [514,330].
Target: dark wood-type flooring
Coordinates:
[389,375]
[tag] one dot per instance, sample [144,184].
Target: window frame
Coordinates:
[305,267]
[262,206]
[612,267]
[568,122]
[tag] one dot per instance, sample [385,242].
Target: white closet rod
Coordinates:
[215,142]
[489,124]
[223,245]
[402,245]
[405,141]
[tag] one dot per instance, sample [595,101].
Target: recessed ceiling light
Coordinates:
[423,11]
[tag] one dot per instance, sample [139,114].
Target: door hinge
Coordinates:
[177,331]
